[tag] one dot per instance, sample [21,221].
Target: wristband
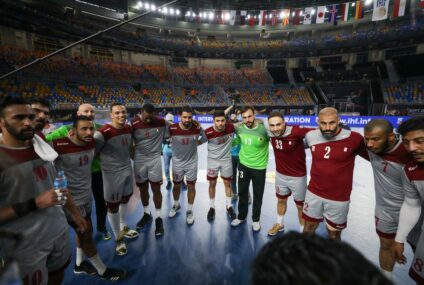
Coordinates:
[24,208]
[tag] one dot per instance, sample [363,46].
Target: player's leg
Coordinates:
[386,231]
[298,187]
[244,177]
[166,164]
[335,214]
[282,192]
[258,183]
[155,178]
[212,176]
[142,182]
[127,181]
[312,212]
[235,163]
[101,209]
[191,178]
[226,169]
[177,176]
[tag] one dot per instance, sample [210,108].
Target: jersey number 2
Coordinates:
[327,152]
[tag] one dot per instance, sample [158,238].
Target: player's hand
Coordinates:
[397,253]
[50,198]
[196,123]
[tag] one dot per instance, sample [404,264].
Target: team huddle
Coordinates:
[106,159]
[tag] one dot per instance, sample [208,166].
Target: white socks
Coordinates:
[189,207]
[388,274]
[98,264]
[212,203]
[280,219]
[158,213]
[114,223]
[228,202]
[146,209]
[122,214]
[80,256]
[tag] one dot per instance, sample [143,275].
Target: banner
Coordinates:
[320,14]
[262,18]
[307,18]
[381,10]
[399,8]
[243,15]
[359,13]
[232,19]
[347,11]
[332,17]
[296,17]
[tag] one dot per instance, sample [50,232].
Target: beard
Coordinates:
[328,134]
[22,135]
[39,125]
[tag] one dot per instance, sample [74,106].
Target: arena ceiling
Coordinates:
[243,4]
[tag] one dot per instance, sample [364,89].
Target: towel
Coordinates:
[43,149]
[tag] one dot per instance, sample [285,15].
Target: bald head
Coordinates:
[328,111]
[382,124]
[86,110]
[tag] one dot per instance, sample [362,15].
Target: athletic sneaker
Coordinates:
[256,226]
[85,268]
[159,227]
[146,219]
[169,185]
[175,209]
[237,222]
[129,233]
[105,234]
[121,247]
[114,274]
[249,201]
[231,213]
[276,228]
[211,214]
[190,218]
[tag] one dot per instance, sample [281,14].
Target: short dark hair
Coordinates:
[186,109]
[383,124]
[79,119]
[41,101]
[218,113]
[413,124]
[247,108]
[12,100]
[115,104]
[275,114]
[148,108]
[298,259]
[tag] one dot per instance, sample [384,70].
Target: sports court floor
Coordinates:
[216,253]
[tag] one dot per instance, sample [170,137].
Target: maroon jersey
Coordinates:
[289,151]
[333,161]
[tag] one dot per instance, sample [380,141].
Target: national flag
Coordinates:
[285,14]
[320,14]
[296,17]
[274,18]
[422,4]
[332,17]
[252,20]
[243,15]
[381,10]
[399,8]
[232,19]
[347,10]
[262,18]
[307,17]
[359,13]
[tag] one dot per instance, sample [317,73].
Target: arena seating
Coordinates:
[407,93]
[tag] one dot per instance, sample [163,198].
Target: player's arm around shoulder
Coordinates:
[202,138]
[59,133]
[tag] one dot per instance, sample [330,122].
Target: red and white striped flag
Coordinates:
[399,8]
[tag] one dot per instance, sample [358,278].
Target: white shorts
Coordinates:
[117,185]
[148,170]
[224,166]
[417,265]
[316,209]
[286,185]
[386,228]
[36,265]
[178,174]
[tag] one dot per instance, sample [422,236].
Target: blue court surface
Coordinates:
[216,253]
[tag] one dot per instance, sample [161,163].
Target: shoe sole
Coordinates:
[143,226]
[279,231]
[237,224]
[176,212]
[131,237]
[84,273]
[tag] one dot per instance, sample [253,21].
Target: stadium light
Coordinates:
[147,6]
[293,14]
[301,13]
[165,10]
[211,15]
[171,11]
[227,16]
[153,7]
[188,14]
[353,4]
[313,12]
[140,4]
[367,2]
[177,12]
